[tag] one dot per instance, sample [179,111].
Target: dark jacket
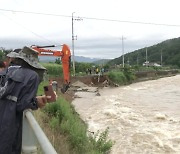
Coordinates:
[18,94]
[2,77]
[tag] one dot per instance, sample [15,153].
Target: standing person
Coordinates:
[10,56]
[87,71]
[90,71]
[16,95]
[97,70]
[2,66]
[7,63]
[102,70]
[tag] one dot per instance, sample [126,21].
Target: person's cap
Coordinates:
[17,50]
[12,54]
[30,56]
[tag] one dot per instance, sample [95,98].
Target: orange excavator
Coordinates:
[65,55]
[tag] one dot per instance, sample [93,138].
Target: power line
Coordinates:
[29,12]
[27,29]
[92,18]
[132,22]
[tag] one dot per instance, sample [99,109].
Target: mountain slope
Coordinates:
[77,59]
[101,61]
[169,49]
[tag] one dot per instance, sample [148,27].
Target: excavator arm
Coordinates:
[65,55]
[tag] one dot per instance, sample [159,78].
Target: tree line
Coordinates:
[167,52]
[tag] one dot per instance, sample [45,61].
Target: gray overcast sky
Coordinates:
[95,38]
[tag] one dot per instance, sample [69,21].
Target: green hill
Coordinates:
[169,49]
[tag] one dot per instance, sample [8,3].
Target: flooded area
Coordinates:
[142,117]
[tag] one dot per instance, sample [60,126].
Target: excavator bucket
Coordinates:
[64,88]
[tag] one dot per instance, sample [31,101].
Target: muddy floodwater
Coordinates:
[143,118]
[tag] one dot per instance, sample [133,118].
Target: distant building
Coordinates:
[147,63]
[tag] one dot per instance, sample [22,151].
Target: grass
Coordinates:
[62,120]
[117,77]
[121,76]
[67,121]
[53,69]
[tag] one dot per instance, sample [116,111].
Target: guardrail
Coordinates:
[33,136]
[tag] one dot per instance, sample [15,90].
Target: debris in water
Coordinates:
[161,116]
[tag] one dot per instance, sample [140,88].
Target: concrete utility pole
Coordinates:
[137,59]
[2,49]
[74,71]
[146,57]
[123,50]
[74,38]
[161,58]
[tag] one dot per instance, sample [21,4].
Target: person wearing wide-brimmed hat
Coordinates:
[9,58]
[18,94]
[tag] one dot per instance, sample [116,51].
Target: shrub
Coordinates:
[101,142]
[69,123]
[117,77]
[128,74]
[63,116]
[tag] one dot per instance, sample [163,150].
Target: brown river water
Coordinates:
[143,118]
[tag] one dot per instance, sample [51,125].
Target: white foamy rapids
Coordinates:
[143,118]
